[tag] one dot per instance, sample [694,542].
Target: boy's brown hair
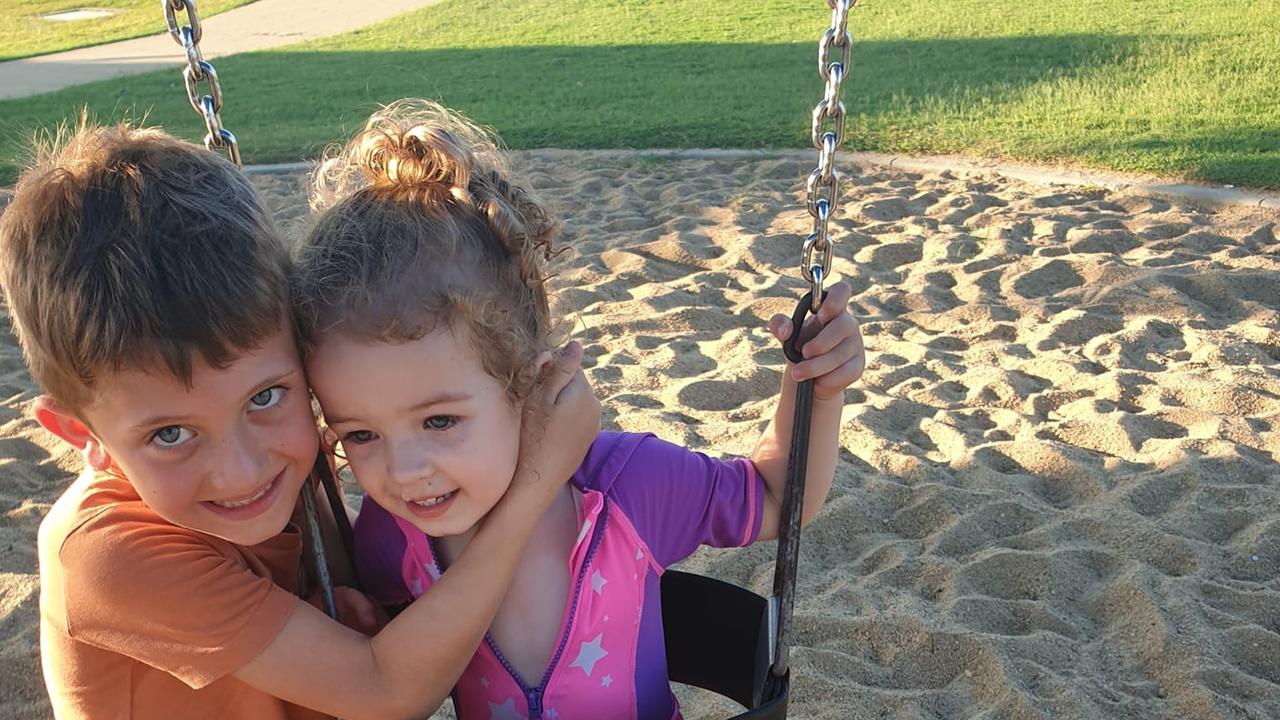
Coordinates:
[125,248]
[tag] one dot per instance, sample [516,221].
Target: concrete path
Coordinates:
[256,26]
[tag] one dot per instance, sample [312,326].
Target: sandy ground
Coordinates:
[1059,490]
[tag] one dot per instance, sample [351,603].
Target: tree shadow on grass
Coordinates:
[285,105]
[1250,155]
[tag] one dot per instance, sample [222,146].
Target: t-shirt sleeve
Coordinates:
[379,555]
[165,596]
[679,499]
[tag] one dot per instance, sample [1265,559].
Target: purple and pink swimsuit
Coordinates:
[646,505]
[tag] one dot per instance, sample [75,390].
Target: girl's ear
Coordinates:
[55,418]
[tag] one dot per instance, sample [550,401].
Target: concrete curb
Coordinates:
[1207,196]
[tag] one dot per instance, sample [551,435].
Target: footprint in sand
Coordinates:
[886,210]
[1255,553]
[890,256]
[985,526]
[1091,240]
[1254,650]
[1051,279]
[1008,574]
[1009,617]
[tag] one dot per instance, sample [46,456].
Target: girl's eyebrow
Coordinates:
[439,398]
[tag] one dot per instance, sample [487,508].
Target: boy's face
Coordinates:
[429,434]
[226,456]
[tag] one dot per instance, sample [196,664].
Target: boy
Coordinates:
[151,300]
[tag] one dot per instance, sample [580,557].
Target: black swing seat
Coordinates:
[717,638]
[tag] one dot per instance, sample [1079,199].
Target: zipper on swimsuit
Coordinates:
[533,696]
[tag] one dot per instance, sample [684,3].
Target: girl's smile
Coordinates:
[430,435]
[432,507]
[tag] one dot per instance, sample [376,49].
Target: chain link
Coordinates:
[827,134]
[207,105]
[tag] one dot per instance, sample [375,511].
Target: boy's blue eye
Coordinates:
[267,398]
[439,422]
[358,437]
[170,436]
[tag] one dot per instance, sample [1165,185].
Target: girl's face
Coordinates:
[429,434]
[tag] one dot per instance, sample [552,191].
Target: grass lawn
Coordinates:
[23,33]
[1174,87]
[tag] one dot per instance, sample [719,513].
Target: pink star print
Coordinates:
[505,711]
[589,653]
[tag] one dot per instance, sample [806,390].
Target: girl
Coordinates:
[422,289]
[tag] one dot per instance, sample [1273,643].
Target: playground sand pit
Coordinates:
[1058,493]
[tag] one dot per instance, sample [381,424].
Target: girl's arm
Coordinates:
[834,358]
[409,668]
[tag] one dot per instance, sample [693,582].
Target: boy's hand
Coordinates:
[561,420]
[833,352]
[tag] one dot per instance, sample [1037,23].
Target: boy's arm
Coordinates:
[834,359]
[410,667]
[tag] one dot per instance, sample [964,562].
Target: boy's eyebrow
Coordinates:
[438,399]
[159,421]
[166,420]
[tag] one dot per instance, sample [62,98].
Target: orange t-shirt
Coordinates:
[143,619]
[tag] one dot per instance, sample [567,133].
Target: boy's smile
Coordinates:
[252,504]
[226,456]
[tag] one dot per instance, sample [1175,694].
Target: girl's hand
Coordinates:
[833,352]
[561,420]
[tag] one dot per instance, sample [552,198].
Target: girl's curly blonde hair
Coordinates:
[418,227]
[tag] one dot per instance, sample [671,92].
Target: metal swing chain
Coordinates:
[823,188]
[198,70]
[209,106]
[827,133]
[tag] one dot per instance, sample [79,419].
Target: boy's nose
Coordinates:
[243,463]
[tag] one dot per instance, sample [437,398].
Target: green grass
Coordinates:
[1173,87]
[23,33]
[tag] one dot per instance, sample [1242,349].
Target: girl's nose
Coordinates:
[411,464]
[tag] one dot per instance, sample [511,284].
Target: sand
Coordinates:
[1058,493]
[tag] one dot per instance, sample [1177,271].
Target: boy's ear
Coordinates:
[328,439]
[55,418]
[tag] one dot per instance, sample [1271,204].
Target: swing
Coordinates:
[719,637]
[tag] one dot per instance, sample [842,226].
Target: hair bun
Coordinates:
[420,152]
[419,159]
[412,148]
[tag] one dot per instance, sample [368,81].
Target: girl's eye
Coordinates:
[439,422]
[267,398]
[170,436]
[358,437]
